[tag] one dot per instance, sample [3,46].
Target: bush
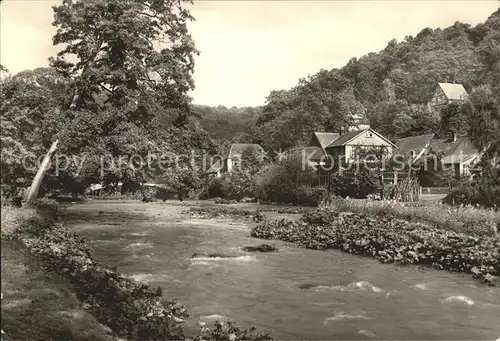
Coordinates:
[219,211]
[238,185]
[289,182]
[224,201]
[389,240]
[483,190]
[231,186]
[355,184]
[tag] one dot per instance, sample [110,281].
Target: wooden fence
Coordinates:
[434,190]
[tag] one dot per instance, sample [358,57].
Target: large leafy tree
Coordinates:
[30,107]
[453,121]
[133,70]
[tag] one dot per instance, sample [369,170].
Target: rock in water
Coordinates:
[260,248]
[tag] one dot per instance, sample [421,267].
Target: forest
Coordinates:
[125,97]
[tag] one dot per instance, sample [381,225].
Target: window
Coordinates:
[369,134]
[466,170]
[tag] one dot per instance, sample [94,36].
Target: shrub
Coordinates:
[219,211]
[289,181]
[224,201]
[357,183]
[231,186]
[237,185]
[483,191]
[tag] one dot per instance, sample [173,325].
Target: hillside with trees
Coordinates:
[389,88]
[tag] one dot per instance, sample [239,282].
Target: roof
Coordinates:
[454,91]
[238,148]
[347,137]
[326,139]
[416,143]
[314,153]
[215,167]
[459,151]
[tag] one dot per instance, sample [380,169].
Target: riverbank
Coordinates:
[390,240]
[122,307]
[37,305]
[470,220]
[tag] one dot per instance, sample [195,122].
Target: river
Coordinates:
[294,293]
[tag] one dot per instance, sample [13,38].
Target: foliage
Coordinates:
[228,332]
[483,190]
[362,177]
[463,219]
[240,182]
[433,174]
[230,125]
[289,181]
[389,240]
[453,121]
[484,119]
[238,185]
[390,88]
[218,211]
[130,97]
[224,201]
[324,101]
[30,103]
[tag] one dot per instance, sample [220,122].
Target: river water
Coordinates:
[293,293]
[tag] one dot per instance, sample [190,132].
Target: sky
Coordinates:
[249,48]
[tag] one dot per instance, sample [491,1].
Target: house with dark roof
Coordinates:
[233,159]
[414,147]
[456,153]
[343,147]
[447,93]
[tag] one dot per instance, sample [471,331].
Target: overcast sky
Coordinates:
[249,48]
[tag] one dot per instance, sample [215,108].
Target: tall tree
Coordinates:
[453,121]
[138,56]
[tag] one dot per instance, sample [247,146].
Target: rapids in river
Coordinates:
[293,293]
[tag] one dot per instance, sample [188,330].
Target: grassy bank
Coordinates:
[37,305]
[390,240]
[470,220]
[87,291]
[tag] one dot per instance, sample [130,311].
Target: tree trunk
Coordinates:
[37,181]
